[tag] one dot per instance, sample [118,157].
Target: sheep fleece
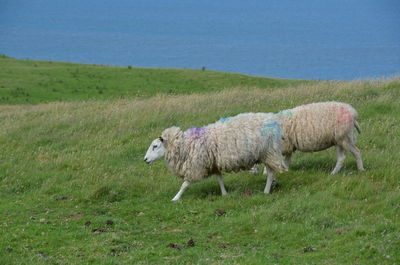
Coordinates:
[316,126]
[227,145]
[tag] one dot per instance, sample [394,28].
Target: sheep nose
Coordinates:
[145,159]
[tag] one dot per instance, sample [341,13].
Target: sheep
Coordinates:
[228,145]
[318,126]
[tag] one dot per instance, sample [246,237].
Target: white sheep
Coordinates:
[228,145]
[318,126]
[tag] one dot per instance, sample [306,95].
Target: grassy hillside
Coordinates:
[25,81]
[74,188]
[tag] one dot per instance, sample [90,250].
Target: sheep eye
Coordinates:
[154,146]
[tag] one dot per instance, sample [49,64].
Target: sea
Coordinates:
[308,39]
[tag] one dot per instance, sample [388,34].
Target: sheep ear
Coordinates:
[164,143]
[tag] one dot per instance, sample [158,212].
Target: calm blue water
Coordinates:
[308,39]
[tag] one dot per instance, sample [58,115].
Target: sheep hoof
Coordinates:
[335,171]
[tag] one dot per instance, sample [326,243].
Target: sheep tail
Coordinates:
[357,126]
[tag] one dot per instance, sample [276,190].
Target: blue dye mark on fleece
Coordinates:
[285,113]
[225,119]
[271,128]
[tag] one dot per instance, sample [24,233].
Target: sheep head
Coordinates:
[156,150]
[158,147]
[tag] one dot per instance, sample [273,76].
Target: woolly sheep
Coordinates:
[318,126]
[227,145]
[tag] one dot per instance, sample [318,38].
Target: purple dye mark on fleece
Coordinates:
[195,132]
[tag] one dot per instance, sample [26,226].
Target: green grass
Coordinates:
[32,82]
[91,152]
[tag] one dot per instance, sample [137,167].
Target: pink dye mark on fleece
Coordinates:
[345,116]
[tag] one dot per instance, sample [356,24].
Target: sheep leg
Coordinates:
[265,171]
[270,179]
[254,169]
[357,155]
[340,159]
[288,159]
[221,185]
[185,184]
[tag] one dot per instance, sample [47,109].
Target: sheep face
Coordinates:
[156,151]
